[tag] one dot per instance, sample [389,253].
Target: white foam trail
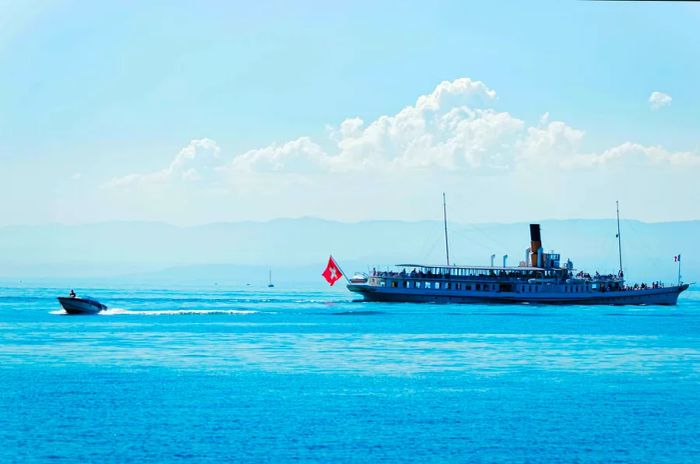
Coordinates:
[58,311]
[173,312]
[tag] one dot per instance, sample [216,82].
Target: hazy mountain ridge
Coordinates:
[302,245]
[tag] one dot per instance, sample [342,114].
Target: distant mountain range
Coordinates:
[296,249]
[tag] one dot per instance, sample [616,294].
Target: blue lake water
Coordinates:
[280,375]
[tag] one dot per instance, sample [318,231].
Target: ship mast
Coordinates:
[444,216]
[619,238]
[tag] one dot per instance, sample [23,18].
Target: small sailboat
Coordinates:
[270,284]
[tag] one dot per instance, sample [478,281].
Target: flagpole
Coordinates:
[619,238]
[444,216]
[339,268]
[679,270]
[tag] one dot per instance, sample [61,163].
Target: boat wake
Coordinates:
[174,312]
[358,313]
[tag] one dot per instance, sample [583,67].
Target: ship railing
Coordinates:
[482,277]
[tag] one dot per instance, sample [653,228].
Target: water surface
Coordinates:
[280,375]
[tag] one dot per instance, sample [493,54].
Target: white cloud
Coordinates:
[445,129]
[455,93]
[631,155]
[658,100]
[426,136]
[301,155]
[452,134]
[553,143]
[196,162]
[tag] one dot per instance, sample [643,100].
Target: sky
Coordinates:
[201,112]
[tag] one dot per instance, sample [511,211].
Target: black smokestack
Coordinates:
[535,244]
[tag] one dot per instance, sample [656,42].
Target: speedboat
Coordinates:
[80,305]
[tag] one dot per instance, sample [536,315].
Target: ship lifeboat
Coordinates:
[359,278]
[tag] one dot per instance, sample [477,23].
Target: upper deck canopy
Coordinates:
[477,268]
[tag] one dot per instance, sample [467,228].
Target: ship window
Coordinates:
[405,284]
[417,284]
[427,285]
[436,285]
[394,284]
[478,286]
[458,286]
[468,287]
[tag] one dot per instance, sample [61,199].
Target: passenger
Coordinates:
[72,293]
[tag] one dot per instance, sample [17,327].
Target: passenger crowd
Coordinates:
[614,280]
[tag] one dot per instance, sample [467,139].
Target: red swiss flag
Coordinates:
[332,274]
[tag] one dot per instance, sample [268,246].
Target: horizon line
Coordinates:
[321,219]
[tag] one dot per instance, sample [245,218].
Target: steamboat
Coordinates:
[539,279]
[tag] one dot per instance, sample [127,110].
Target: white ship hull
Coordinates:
[649,296]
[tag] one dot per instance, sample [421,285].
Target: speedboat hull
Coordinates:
[80,305]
